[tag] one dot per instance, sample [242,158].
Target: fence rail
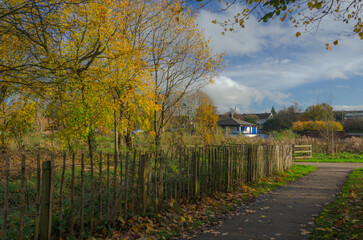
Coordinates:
[303,151]
[70,195]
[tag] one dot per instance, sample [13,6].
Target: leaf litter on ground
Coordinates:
[186,220]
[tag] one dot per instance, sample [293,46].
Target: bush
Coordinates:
[316,126]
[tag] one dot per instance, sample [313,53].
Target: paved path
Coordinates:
[288,212]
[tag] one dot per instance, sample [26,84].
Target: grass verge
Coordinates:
[343,218]
[338,157]
[185,220]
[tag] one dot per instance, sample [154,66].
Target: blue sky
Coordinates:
[268,66]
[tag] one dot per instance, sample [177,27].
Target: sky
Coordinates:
[267,65]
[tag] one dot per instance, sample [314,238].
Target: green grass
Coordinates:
[343,219]
[338,157]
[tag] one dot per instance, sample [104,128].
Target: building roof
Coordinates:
[262,116]
[231,121]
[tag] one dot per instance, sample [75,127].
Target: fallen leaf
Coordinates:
[304,232]
[250,211]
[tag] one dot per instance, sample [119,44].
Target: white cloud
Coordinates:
[265,60]
[347,108]
[336,74]
[253,38]
[228,94]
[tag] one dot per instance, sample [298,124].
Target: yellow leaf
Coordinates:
[182,219]
[135,229]
[298,34]
[335,42]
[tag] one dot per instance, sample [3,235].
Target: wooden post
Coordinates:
[108,186]
[119,207]
[92,196]
[126,182]
[180,176]
[227,167]
[142,183]
[100,189]
[132,182]
[45,201]
[6,198]
[37,211]
[81,230]
[195,166]
[61,197]
[71,220]
[113,216]
[165,179]
[22,199]
[249,164]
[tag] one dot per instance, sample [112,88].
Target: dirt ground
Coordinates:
[288,212]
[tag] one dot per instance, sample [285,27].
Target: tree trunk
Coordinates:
[91,142]
[128,139]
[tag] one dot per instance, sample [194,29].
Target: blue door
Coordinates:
[254,130]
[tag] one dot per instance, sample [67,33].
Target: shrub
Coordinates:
[316,126]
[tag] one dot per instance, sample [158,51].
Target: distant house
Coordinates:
[354,115]
[262,118]
[237,126]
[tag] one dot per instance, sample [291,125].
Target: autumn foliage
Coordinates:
[206,119]
[300,126]
[98,66]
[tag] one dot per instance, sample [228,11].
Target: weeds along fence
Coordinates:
[74,196]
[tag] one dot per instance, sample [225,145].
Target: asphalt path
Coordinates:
[288,212]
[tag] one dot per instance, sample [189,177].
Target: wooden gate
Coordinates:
[303,151]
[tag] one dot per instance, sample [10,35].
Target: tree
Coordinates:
[273,111]
[180,59]
[206,118]
[318,112]
[82,104]
[38,31]
[283,119]
[17,116]
[308,14]
[251,118]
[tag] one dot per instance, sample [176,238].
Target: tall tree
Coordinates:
[180,59]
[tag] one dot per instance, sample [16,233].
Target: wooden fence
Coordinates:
[303,151]
[69,196]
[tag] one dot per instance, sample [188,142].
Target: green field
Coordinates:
[338,157]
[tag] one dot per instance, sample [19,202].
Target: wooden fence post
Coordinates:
[227,168]
[196,183]
[249,164]
[143,182]
[45,201]
[6,198]
[22,199]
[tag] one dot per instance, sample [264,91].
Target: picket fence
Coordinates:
[73,196]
